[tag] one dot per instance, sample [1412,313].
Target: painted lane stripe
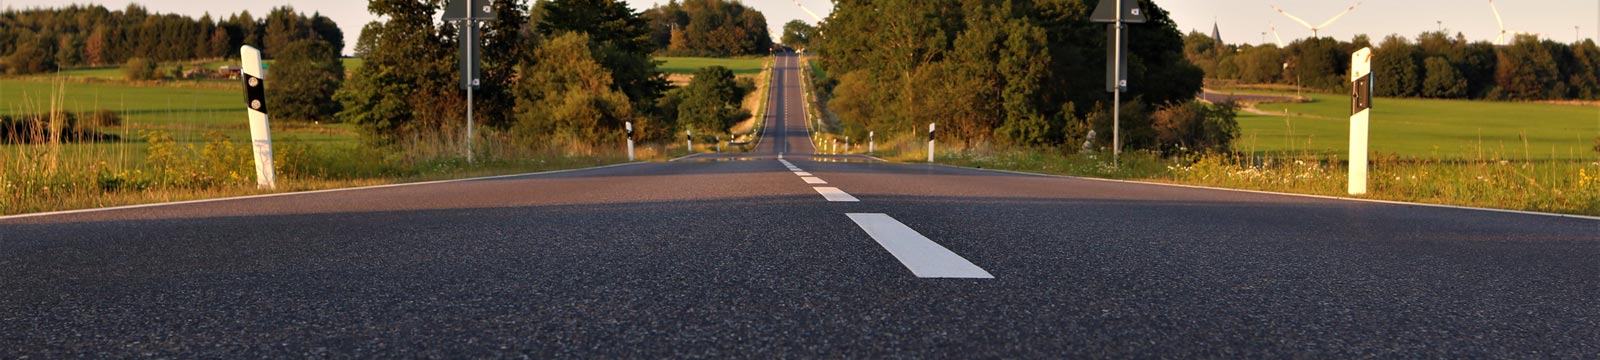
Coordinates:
[801,173]
[925,258]
[834,194]
[813,180]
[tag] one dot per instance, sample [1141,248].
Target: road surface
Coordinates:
[752,257]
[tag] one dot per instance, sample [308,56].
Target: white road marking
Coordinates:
[925,258]
[801,173]
[813,180]
[834,194]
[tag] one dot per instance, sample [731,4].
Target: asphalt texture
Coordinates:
[735,256]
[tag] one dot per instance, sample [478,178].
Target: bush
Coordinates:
[140,69]
[1193,126]
[305,76]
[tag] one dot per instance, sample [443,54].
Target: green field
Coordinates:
[1444,129]
[187,114]
[687,65]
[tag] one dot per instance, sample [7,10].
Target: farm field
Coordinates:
[1441,129]
[687,65]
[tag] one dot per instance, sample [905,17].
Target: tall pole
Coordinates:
[1116,94]
[469,101]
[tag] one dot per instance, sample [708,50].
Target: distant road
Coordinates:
[750,256]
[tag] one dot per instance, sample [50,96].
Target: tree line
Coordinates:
[1433,65]
[708,28]
[1016,72]
[554,71]
[47,39]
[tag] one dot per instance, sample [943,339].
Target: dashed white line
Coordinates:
[925,258]
[813,180]
[801,173]
[834,194]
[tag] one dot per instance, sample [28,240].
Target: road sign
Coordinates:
[469,10]
[1131,13]
[471,64]
[1360,118]
[1118,63]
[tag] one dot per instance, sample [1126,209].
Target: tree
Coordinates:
[140,69]
[305,77]
[368,38]
[1395,61]
[797,34]
[1443,80]
[95,47]
[568,94]
[32,57]
[709,101]
[1525,70]
[621,38]
[407,87]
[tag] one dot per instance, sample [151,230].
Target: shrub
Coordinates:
[140,69]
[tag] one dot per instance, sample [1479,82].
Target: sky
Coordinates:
[1240,20]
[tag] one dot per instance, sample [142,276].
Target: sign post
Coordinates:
[931,128]
[629,126]
[255,83]
[1360,116]
[470,12]
[1117,12]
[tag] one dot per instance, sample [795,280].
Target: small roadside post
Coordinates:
[1360,117]
[688,138]
[847,144]
[470,12]
[931,128]
[255,98]
[1117,12]
[872,144]
[629,126]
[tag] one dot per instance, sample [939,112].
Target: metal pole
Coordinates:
[469,98]
[1116,94]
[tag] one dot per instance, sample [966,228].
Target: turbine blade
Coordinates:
[1336,17]
[1497,19]
[808,11]
[1275,33]
[1292,17]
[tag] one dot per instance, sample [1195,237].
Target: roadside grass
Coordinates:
[688,65]
[1421,128]
[185,143]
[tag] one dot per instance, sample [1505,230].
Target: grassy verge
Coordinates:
[1423,128]
[687,65]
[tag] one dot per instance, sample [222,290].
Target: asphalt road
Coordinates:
[739,256]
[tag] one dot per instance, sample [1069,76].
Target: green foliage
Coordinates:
[709,101]
[708,28]
[1196,127]
[568,94]
[304,79]
[407,86]
[621,37]
[219,162]
[1442,80]
[988,71]
[92,35]
[1526,70]
[1395,61]
[140,69]
[797,33]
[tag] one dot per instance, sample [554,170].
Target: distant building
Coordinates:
[1216,34]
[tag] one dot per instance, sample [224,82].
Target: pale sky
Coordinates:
[1240,20]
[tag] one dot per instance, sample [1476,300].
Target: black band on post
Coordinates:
[255,94]
[1361,96]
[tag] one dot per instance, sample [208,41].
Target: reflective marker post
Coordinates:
[688,137]
[1360,117]
[255,84]
[931,128]
[629,126]
[872,145]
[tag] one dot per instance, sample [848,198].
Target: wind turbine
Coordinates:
[1501,40]
[1324,24]
[808,11]
[1275,33]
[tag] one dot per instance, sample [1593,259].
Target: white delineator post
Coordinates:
[629,126]
[255,83]
[1360,118]
[688,138]
[931,128]
[872,144]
